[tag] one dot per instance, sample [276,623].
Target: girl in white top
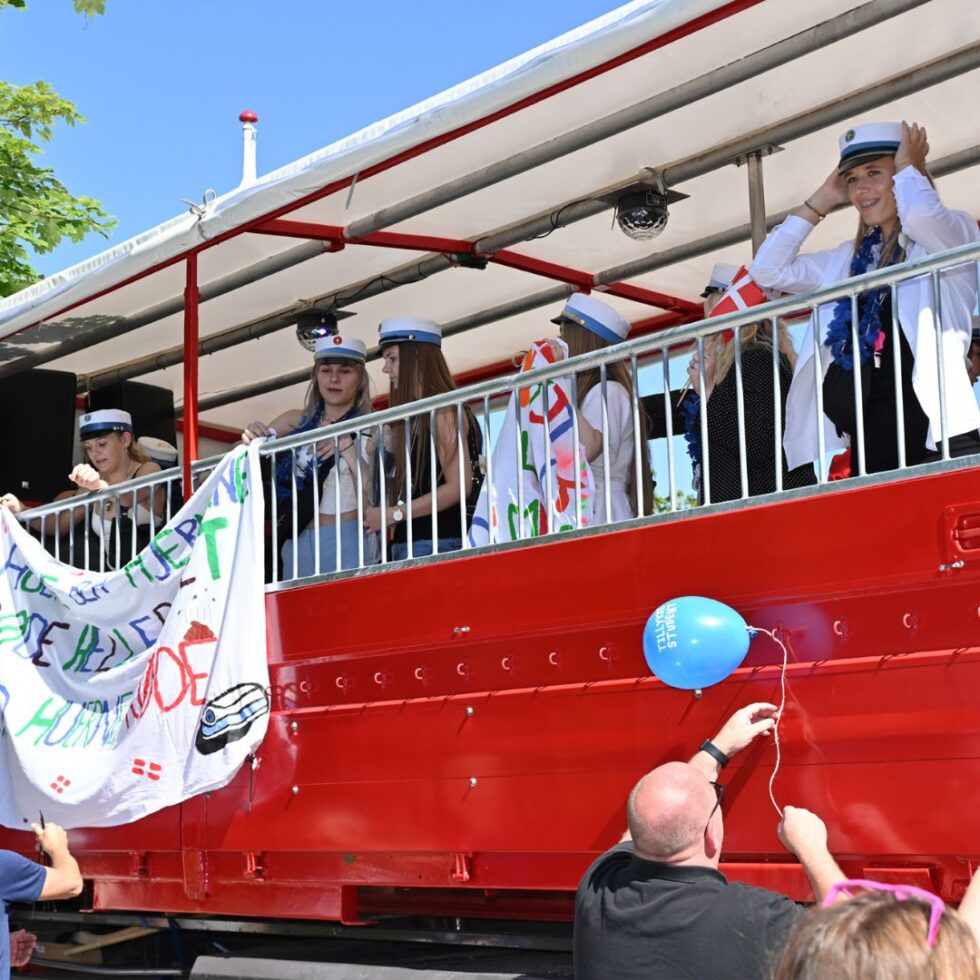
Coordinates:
[588,324]
[338,391]
[882,173]
[112,457]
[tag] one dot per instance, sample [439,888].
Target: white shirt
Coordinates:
[348,484]
[619,416]
[927,227]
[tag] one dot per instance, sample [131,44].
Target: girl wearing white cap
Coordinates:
[882,173]
[113,457]
[416,368]
[587,324]
[338,391]
[724,434]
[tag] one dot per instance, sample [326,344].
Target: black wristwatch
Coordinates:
[708,746]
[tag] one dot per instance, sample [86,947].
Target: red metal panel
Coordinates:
[378,790]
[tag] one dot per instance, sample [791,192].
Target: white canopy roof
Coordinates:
[635,52]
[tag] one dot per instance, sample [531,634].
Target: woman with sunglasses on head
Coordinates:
[112,456]
[416,369]
[882,174]
[866,930]
[326,491]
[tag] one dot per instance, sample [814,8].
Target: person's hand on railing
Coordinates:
[11,503]
[87,477]
[257,430]
[913,149]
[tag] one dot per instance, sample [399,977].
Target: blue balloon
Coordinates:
[693,642]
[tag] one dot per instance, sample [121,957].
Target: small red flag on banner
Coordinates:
[740,295]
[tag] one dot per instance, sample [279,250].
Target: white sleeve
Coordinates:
[778,264]
[925,219]
[618,407]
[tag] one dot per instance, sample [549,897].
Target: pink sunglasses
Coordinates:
[901,892]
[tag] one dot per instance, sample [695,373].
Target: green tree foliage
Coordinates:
[36,210]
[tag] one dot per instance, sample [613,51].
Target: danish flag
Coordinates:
[740,295]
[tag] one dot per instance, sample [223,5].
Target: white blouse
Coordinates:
[619,418]
[927,227]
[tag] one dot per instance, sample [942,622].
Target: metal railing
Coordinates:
[402,444]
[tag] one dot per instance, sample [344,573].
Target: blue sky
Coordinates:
[161,83]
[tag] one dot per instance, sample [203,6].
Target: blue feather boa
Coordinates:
[869,324]
[691,411]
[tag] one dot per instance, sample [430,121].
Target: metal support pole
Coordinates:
[192,297]
[757,199]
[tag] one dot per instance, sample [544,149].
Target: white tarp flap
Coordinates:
[127,691]
[498,514]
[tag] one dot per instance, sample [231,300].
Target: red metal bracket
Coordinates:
[462,867]
[961,534]
[254,865]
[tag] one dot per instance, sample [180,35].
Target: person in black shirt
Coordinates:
[656,905]
[724,435]
[417,369]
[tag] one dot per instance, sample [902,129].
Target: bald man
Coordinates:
[656,907]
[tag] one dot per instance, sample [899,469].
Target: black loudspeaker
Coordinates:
[38,408]
[152,407]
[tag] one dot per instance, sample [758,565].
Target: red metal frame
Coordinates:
[192,296]
[584,281]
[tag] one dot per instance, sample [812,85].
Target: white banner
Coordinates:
[498,515]
[127,691]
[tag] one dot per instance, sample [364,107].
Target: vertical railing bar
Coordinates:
[637,448]
[669,422]
[316,492]
[518,448]
[549,501]
[777,405]
[132,523]
[87,539]
[818,395]
[337,538]
[897,375]
[294,511]
[858,388]
[433,477]
[491,490]
[940,362]
[606,476]
[381,462]
[743,467]
[274,513]
[703,421]
[117,523]
[576,450]
[461,469]
[357,446]
[408,487]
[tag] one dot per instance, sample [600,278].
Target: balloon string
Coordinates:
[779,714]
